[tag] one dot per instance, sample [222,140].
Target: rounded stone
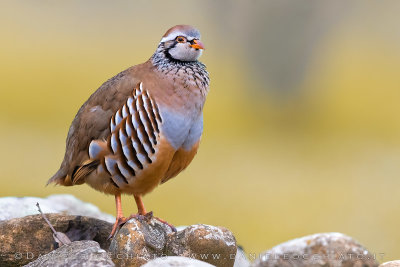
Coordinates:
[395,263]
[325,249]
[212,244]
[176,261]
[22,240]
[139,241]
[79,253]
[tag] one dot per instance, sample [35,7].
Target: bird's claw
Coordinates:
[119,222]
[166,223]
[149,215]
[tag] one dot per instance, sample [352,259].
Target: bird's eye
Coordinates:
[180,39]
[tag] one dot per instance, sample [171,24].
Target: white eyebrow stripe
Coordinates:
[173,35]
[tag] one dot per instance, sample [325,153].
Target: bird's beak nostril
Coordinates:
[197,44]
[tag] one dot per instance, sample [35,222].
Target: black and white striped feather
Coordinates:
[132,144]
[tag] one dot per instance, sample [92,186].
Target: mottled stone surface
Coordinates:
[139,241]
[22,240]
[326,249]
[391,264]
[176,261]
[215,245]
[17,207]
[78,253]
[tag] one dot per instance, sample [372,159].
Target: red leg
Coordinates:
[120,220]
[142,214]
[118,206]
[140,205]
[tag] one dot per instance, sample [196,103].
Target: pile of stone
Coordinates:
[28,240]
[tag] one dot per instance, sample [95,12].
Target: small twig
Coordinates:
[58,236]
[45,218]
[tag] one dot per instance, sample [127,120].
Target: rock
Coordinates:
[181,227]
[24,239]
[140,241]
[78,253]
[215,245]
[326,249]
[176,261]
[391,264]
[241,259]
[16,207]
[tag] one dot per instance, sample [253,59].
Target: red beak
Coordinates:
[197,44]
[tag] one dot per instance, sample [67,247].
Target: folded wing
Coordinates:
[133,144]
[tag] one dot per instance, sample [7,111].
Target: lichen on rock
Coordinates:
[79,253]
[25,239]
[176,261]
[324,249]
[140,241]
[212,244]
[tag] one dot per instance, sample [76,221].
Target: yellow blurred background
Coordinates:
[302,125]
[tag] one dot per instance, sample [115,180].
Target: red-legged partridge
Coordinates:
[143,126]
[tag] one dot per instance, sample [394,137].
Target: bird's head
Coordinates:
[182,43]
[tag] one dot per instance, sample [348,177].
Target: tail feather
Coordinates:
[60,178]
[73,174]
[82,171]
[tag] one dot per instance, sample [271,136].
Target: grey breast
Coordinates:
[182,130]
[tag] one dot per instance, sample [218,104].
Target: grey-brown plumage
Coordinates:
[143,126]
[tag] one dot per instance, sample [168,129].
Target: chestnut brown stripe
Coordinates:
[119,173]
[118,139]
[109,143]
[156,111]
[132,150]
[113,183]
[136,139]
[152,116]
[124,160]
[144,134]
[103,163]
[146,122]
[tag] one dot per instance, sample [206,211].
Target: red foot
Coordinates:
[119,222]
[149,215]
